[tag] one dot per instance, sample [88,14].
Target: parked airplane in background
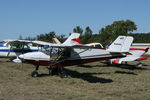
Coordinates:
[73,53]
[13,48]
[135,54]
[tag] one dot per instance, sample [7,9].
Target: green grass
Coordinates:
[94,81]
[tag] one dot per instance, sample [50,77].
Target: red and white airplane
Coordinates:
[73,53]
[135,54]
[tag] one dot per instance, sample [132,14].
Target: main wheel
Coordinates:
[63,75]
[34,74]
[54,71]
[139,65]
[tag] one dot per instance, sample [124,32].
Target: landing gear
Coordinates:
[35,73]
[63,75]
[58,71]
[54,71]
[139,65]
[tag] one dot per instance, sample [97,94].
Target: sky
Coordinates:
[33,17]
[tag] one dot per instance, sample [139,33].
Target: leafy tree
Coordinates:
[110,32]
[46,37]
[141,37]
[61,38]
[78,29]
[87,35]
[30,38]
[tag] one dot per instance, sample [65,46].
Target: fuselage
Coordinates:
[73,56]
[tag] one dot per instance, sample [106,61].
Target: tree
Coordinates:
[46,37]
[61,38]
[110,32]
[78,29]
[87,35]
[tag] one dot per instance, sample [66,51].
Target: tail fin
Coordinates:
[121,44]
[73,39]
[55,40]
[107,46]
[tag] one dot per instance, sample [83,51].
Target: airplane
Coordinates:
[13,48]
[73,53]
[135,54]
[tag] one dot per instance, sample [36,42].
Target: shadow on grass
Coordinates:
[123,72]
[85,76]
[88,77]
[44,75]
[85,66]
[130,67]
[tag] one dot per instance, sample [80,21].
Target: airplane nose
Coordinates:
[21,56]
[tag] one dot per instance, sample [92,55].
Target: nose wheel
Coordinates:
[35,73]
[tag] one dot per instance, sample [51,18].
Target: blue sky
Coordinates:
[33,17]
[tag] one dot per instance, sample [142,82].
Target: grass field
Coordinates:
[94,81]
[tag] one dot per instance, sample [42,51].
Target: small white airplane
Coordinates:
[13,48]
[73,53]
[135,54]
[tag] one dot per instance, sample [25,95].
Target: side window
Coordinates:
[26,47]
[98,46]
[17,46]
[20,46]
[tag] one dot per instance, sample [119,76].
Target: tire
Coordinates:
[34,74]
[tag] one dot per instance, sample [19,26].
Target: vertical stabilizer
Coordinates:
[121,44]
[72,39]
[55,40]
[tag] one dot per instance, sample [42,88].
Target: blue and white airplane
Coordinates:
[13,48]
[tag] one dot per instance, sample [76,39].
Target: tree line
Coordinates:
[105,35]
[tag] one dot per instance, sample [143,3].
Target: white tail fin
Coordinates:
[121,44]
[73,39]
[55,40]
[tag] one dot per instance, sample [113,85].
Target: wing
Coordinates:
[126,59]
[41,43]
[72,41]
[13,42]
[129,59]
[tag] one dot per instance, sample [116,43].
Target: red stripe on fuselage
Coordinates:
[140,49]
